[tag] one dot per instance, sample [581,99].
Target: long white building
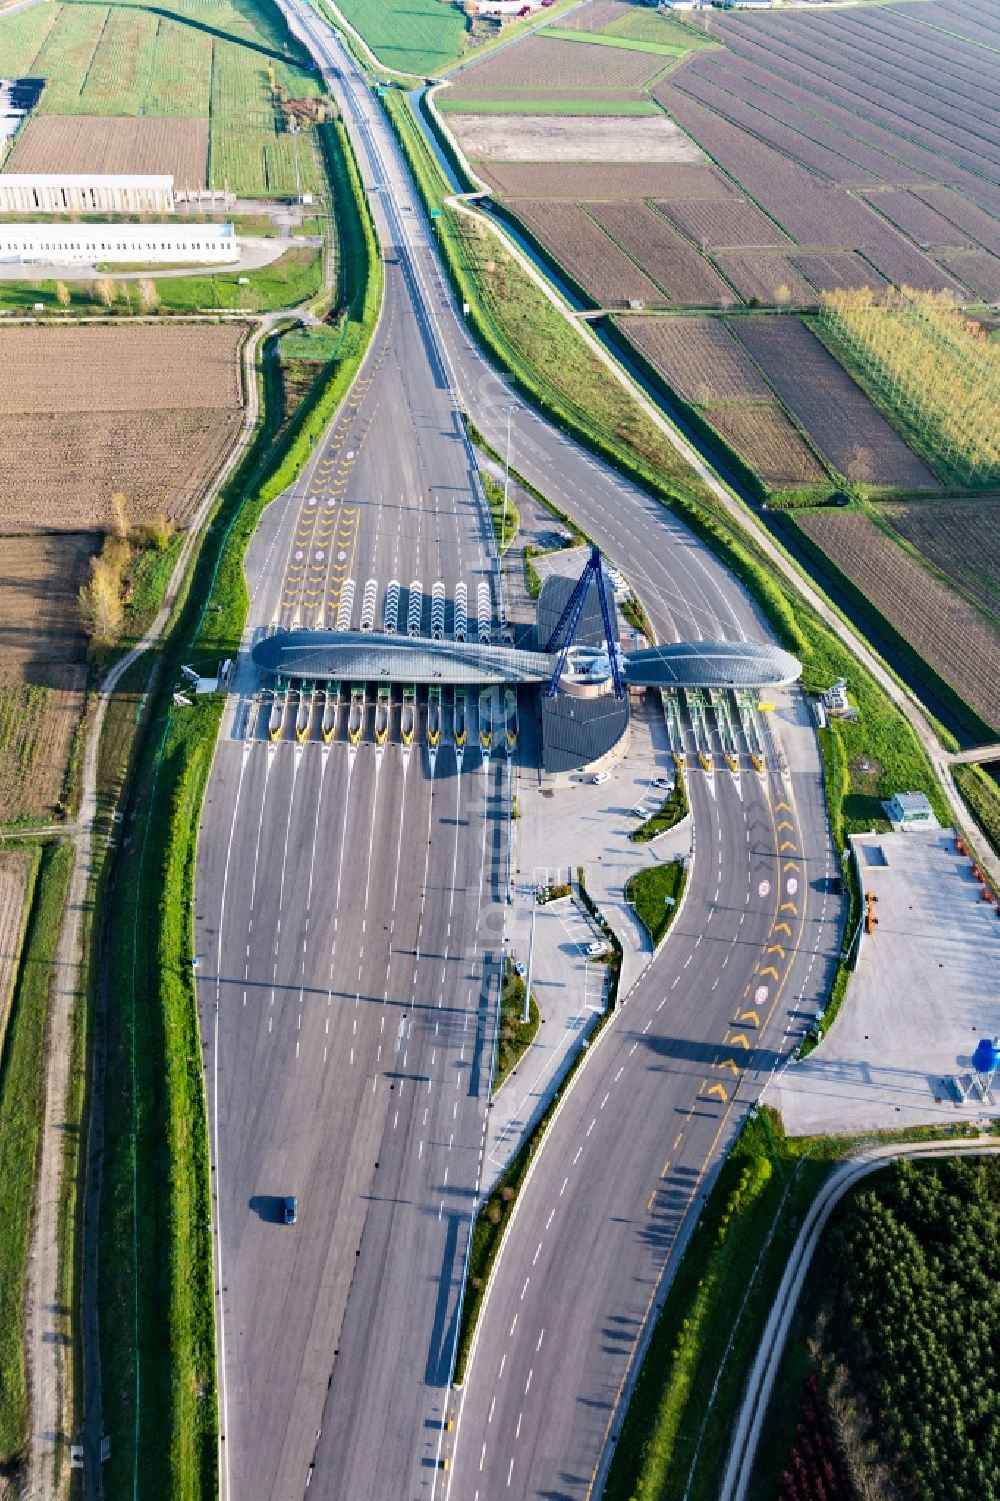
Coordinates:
[85,193]
[91,244]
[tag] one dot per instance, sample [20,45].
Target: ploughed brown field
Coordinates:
[15,868]
[947,631]
[116,144]
[583,249]
[687,278]
[844,425]
[591,180]
[43,674]
[147,410]
[765,439]
[960,537]
[538,66]
[698,357]
[143,409]
[768,278]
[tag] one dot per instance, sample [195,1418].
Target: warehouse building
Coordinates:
[85,193]
[93,244]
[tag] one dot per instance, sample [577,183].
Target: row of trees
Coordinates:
[918,1263]
[105,293]
[103,599]
[921,355]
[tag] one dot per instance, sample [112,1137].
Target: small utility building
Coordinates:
[911,810]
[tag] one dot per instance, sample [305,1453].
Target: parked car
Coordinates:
[596,948]
[663,782]
[291,1209]
[600,777]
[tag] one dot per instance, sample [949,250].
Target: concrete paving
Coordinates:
[926,988]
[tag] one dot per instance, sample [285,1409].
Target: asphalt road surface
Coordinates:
[349,926]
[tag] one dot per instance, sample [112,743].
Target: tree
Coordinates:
[119,514]
[100,602]
[62,294]
[104,291]
[149,297]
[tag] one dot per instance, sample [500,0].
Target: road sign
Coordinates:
[764,889]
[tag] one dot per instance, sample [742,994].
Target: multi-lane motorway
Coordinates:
[349,922]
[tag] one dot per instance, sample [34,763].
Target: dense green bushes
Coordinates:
[916,1314]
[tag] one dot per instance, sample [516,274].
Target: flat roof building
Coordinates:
[85,193]
[911,810]
[92,244]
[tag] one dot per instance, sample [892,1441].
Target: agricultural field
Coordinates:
[836,414]
[698,358]
[70,143]
[17,875]
[213,61]
[950,634]
[765,279]
[540,65]
[768,443]
[687,278]
[960,538]
[43,673]
[149,411]
[726,225]
[146,410]
[573,138]
[938,375]
[590,257]
[578,181]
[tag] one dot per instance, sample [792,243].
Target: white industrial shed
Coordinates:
[85,193]
[91,244]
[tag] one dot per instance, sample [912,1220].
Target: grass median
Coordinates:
[673,808]
[655,894]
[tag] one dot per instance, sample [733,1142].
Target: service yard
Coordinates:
[923,994]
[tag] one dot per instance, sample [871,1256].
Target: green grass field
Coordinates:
[188,58]
[645,25]
[629,43]
[547,106]
[421,36]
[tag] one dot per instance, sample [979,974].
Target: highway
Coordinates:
[349,924]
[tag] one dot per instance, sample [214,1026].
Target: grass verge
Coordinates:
[656,893]
[672,810]
[674,1439]
[982,798]
[22,1093]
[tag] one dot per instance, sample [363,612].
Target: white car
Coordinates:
[640,812]
[663,782]
[600,777]
[595,949]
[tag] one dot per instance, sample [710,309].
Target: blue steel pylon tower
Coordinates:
[570,619]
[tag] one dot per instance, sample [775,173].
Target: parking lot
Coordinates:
[925,990]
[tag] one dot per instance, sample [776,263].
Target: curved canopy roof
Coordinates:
[358,656]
